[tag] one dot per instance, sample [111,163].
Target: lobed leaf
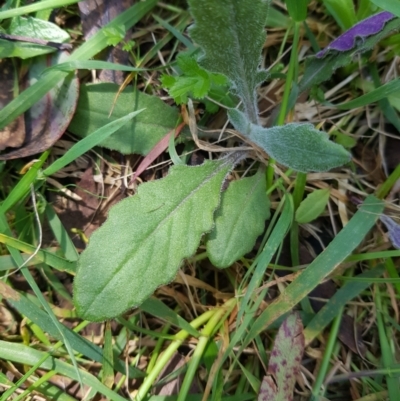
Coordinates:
[194,80]
[285,361]
[145,238]
[232,34]
[239,220]
[298,146]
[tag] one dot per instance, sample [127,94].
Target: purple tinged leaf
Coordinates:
[393,228]
[367,27]
[284,363]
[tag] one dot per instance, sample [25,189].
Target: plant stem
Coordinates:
[316,391]
[215,321]
[168,353]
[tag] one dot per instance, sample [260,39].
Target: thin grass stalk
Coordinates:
[317,387]
[213,324]
[169,352]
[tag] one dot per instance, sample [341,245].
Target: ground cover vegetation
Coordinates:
[199,200]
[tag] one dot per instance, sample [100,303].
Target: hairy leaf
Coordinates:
[311,207]
[239,220]
[145,238]
[320,69]
[231,33]
[285,361]
[96,101]
[298,146]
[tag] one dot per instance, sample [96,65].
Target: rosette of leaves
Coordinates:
[146,237]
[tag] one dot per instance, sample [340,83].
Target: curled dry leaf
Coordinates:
[46,121]
[12,135]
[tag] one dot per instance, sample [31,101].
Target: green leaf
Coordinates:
[89,142]
[298,146]
[321,69]
[285,361]
[194,80]
[86,51]
[232,34]
[343,11]
[345,294]
[334,254]
[38,29]
[22,50]
[297,9]
[388,5]
[311,207]
[239,220]
[96,101]
[143,242]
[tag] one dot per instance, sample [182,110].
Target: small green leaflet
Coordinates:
[239,220]
[194,80]
[311,207]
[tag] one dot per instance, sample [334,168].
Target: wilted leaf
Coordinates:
[239,220]
[47,119]
[13,135]
[232,34]
[145,238]
[284,363]
[298,146]
[96,101]
[312,206]
[96,15]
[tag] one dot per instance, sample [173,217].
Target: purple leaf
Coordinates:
[367,27]
[284,363]
[393,229]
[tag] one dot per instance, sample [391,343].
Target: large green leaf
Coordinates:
[96,101]
[298,146]
[239,220]
[232,34]
[145,238]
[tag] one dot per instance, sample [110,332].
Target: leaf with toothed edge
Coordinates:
[145,238]
[231,34]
